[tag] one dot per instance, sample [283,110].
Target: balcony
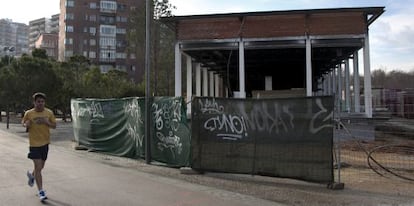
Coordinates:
[108,6]
[107,59]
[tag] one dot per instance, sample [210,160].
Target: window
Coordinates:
[107,42]
[85,29]
[120,30]
[70,3]
[107,55]
[122,7]
[85,42]
[92,18]
[121,68]
[107,30]
[68,41]
[105,68]
[107,19]
[121,19]
[92,5]
[85,53]
[92,42]
[121,43]
[69,16]
[108,6]
[92,54]
[69,28]
[92,30]
[68,53]
[121,55]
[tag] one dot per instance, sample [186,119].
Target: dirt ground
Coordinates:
[363,186]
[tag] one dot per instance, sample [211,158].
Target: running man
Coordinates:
[37,121]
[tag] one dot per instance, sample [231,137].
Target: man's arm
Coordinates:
[51,124]
[26,121]
[48,121]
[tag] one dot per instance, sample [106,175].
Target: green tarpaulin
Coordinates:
[117,126]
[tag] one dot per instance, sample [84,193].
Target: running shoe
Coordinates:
[42,195]
[30,178]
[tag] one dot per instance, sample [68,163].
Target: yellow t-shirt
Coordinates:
[39,134]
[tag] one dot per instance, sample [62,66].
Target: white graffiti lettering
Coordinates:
[171,142]
[133,110]
[323,111]
[230,124]
[134,134]
[94,111]
[275,119]
[167,118]
[211,106]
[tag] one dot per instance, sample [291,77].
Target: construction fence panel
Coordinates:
[117,127]
[290,137]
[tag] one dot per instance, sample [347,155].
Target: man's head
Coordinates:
[39,95]
[39,99]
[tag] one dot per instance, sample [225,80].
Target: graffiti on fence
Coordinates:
[211,106]
[325,121]
[234,121]
[272,120]
[167,119]
[93,110]
[236,126]
[133,112]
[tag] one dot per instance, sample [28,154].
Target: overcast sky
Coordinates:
[391,35]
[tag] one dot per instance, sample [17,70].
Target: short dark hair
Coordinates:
[39,95]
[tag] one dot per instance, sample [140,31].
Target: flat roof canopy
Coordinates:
[274,42]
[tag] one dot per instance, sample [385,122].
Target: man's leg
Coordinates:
[37,172]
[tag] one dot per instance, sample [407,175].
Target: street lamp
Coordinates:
[8,49]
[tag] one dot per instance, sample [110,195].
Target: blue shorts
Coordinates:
[38,152]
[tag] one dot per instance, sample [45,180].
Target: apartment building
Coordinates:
[97,29]
[13,38]
[41,26]
[48,42]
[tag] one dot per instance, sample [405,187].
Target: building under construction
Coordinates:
[277,54]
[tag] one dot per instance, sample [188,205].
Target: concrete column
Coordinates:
[198,80]
[308,67]
[177,70]
[347,87]
[268,83]
[339,87]
[329,76]
[319,87]
[357,92]
[222,87]
[335,87]
[205,82]
[189,83]
[323,85]
[216,85]
[211,83]
[242,83]
[367,78]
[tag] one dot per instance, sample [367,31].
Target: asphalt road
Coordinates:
[71,178]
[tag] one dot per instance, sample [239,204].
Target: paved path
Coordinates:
[73,179]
